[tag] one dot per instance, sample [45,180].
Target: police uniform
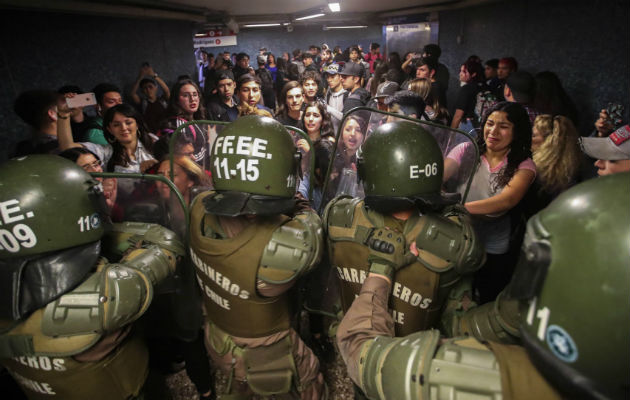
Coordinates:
[245,268]
[65,310]
[447,252]
[461,366]
[250,241]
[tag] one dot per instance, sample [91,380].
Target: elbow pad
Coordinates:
[109,299]
[447,242]
[497,321]
[294,249]
[417,367]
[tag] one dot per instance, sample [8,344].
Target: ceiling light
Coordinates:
[259,25]
[347,27]
[309,17]
[334,7]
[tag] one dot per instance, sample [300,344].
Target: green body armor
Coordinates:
[116,377]
[419,290]
[227,270]
[37,351]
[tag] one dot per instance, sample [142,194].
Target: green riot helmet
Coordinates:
[574,277]
[254,165]
[401,165]
[47,203]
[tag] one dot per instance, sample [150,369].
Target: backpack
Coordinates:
[265,79]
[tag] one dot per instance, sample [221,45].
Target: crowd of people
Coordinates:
[520,132]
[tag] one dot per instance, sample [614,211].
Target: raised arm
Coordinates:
[511,194]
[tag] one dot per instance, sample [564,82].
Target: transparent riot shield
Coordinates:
[174,309]
[459,150]
[194,139]
[145,198]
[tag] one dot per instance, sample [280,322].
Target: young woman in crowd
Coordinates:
[130,147]
[504,174]
[318,125]
[90,162]
[130,142]
[557,157]
[271,66]
[317,122]
[434,109]
[186,104]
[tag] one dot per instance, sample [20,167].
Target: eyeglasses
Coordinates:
[194,95]
[93,166]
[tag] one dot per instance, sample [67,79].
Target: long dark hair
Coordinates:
[551,98]
[326,130]
[283,110]
[175,110]
[281,64]
[119,155]
[520,148]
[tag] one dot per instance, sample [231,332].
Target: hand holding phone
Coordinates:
[81,100]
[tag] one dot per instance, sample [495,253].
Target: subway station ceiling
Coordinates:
[238,13]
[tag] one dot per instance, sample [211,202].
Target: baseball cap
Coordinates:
[332,69]
[614,147]
[386,89]
[352,69]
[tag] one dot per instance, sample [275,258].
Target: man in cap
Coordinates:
[336,95]
[612,153]
[383,91]
[351,81]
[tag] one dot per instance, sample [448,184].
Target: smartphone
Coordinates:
[81,100]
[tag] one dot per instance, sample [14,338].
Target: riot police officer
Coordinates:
[401,167]
[572,281]
[65,311]
[250,242]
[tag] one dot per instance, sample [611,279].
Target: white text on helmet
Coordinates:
[243,145]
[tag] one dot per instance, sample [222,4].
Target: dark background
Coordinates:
[585,42]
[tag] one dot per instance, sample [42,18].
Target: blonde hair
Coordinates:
[544,124]
[193,171]
[421,86]
[558,157]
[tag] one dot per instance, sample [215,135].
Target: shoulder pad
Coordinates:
[347,220]
[106,301]
[444,244]
[340,211]
[294,248]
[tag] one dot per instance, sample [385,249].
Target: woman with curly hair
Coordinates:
[504,174]
[557,157]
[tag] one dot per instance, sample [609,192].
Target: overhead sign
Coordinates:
[214,38]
